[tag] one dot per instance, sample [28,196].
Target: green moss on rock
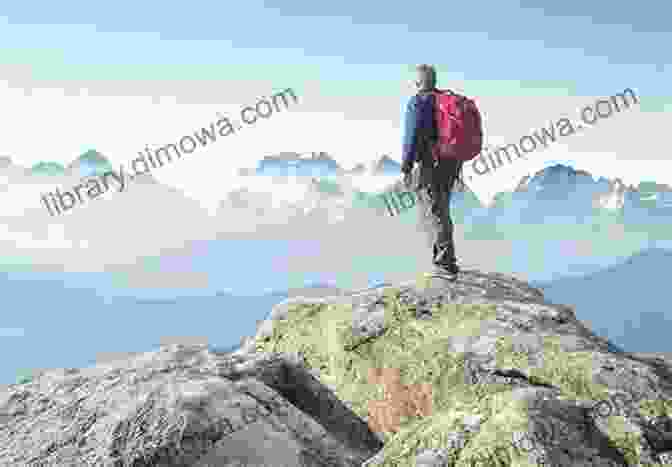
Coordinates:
[322,333]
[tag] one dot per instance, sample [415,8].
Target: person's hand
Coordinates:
[408,179]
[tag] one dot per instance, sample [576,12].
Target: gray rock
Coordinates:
[368,321]
[432,458]
[182,406]
[563,432]
[190,406]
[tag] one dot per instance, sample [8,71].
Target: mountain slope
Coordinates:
[316,164]
[48,168]
[90,163]
[634,292]
[557,194]
[385,165]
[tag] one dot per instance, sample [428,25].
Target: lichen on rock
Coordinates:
[493,350]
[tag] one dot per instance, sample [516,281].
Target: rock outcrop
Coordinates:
[515,380]
[181,406]
[482,371]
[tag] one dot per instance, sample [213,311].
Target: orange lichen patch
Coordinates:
[384,417]
[421,397]
[398,400]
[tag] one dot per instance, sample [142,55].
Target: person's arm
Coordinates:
[419,124]
[409,143]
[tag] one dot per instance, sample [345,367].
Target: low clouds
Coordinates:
[200,197]
[118,232]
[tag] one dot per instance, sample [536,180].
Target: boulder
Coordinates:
[181,405]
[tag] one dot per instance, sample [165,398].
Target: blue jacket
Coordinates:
[418,122]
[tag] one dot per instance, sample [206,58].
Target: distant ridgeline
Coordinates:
[89,163]
[318,164]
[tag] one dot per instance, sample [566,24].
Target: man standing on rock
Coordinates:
[442,130]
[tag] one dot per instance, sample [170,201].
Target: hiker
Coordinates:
[442,130]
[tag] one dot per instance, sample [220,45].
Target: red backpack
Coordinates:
[459,126]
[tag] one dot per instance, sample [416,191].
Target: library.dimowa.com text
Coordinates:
[590,114]
[95,186]
[602,108]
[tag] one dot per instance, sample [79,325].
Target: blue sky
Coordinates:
[132,74]
[361,43]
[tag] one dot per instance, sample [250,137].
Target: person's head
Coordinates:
[426,77]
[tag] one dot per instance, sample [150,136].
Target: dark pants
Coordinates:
[434,188]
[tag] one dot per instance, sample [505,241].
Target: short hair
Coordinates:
[429,71]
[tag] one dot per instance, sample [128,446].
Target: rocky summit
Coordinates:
[478,372]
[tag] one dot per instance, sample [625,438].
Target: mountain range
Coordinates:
[87,164]
[318,164]
[556,194]
[559,190]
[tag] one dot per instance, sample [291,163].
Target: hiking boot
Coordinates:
[450,270]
